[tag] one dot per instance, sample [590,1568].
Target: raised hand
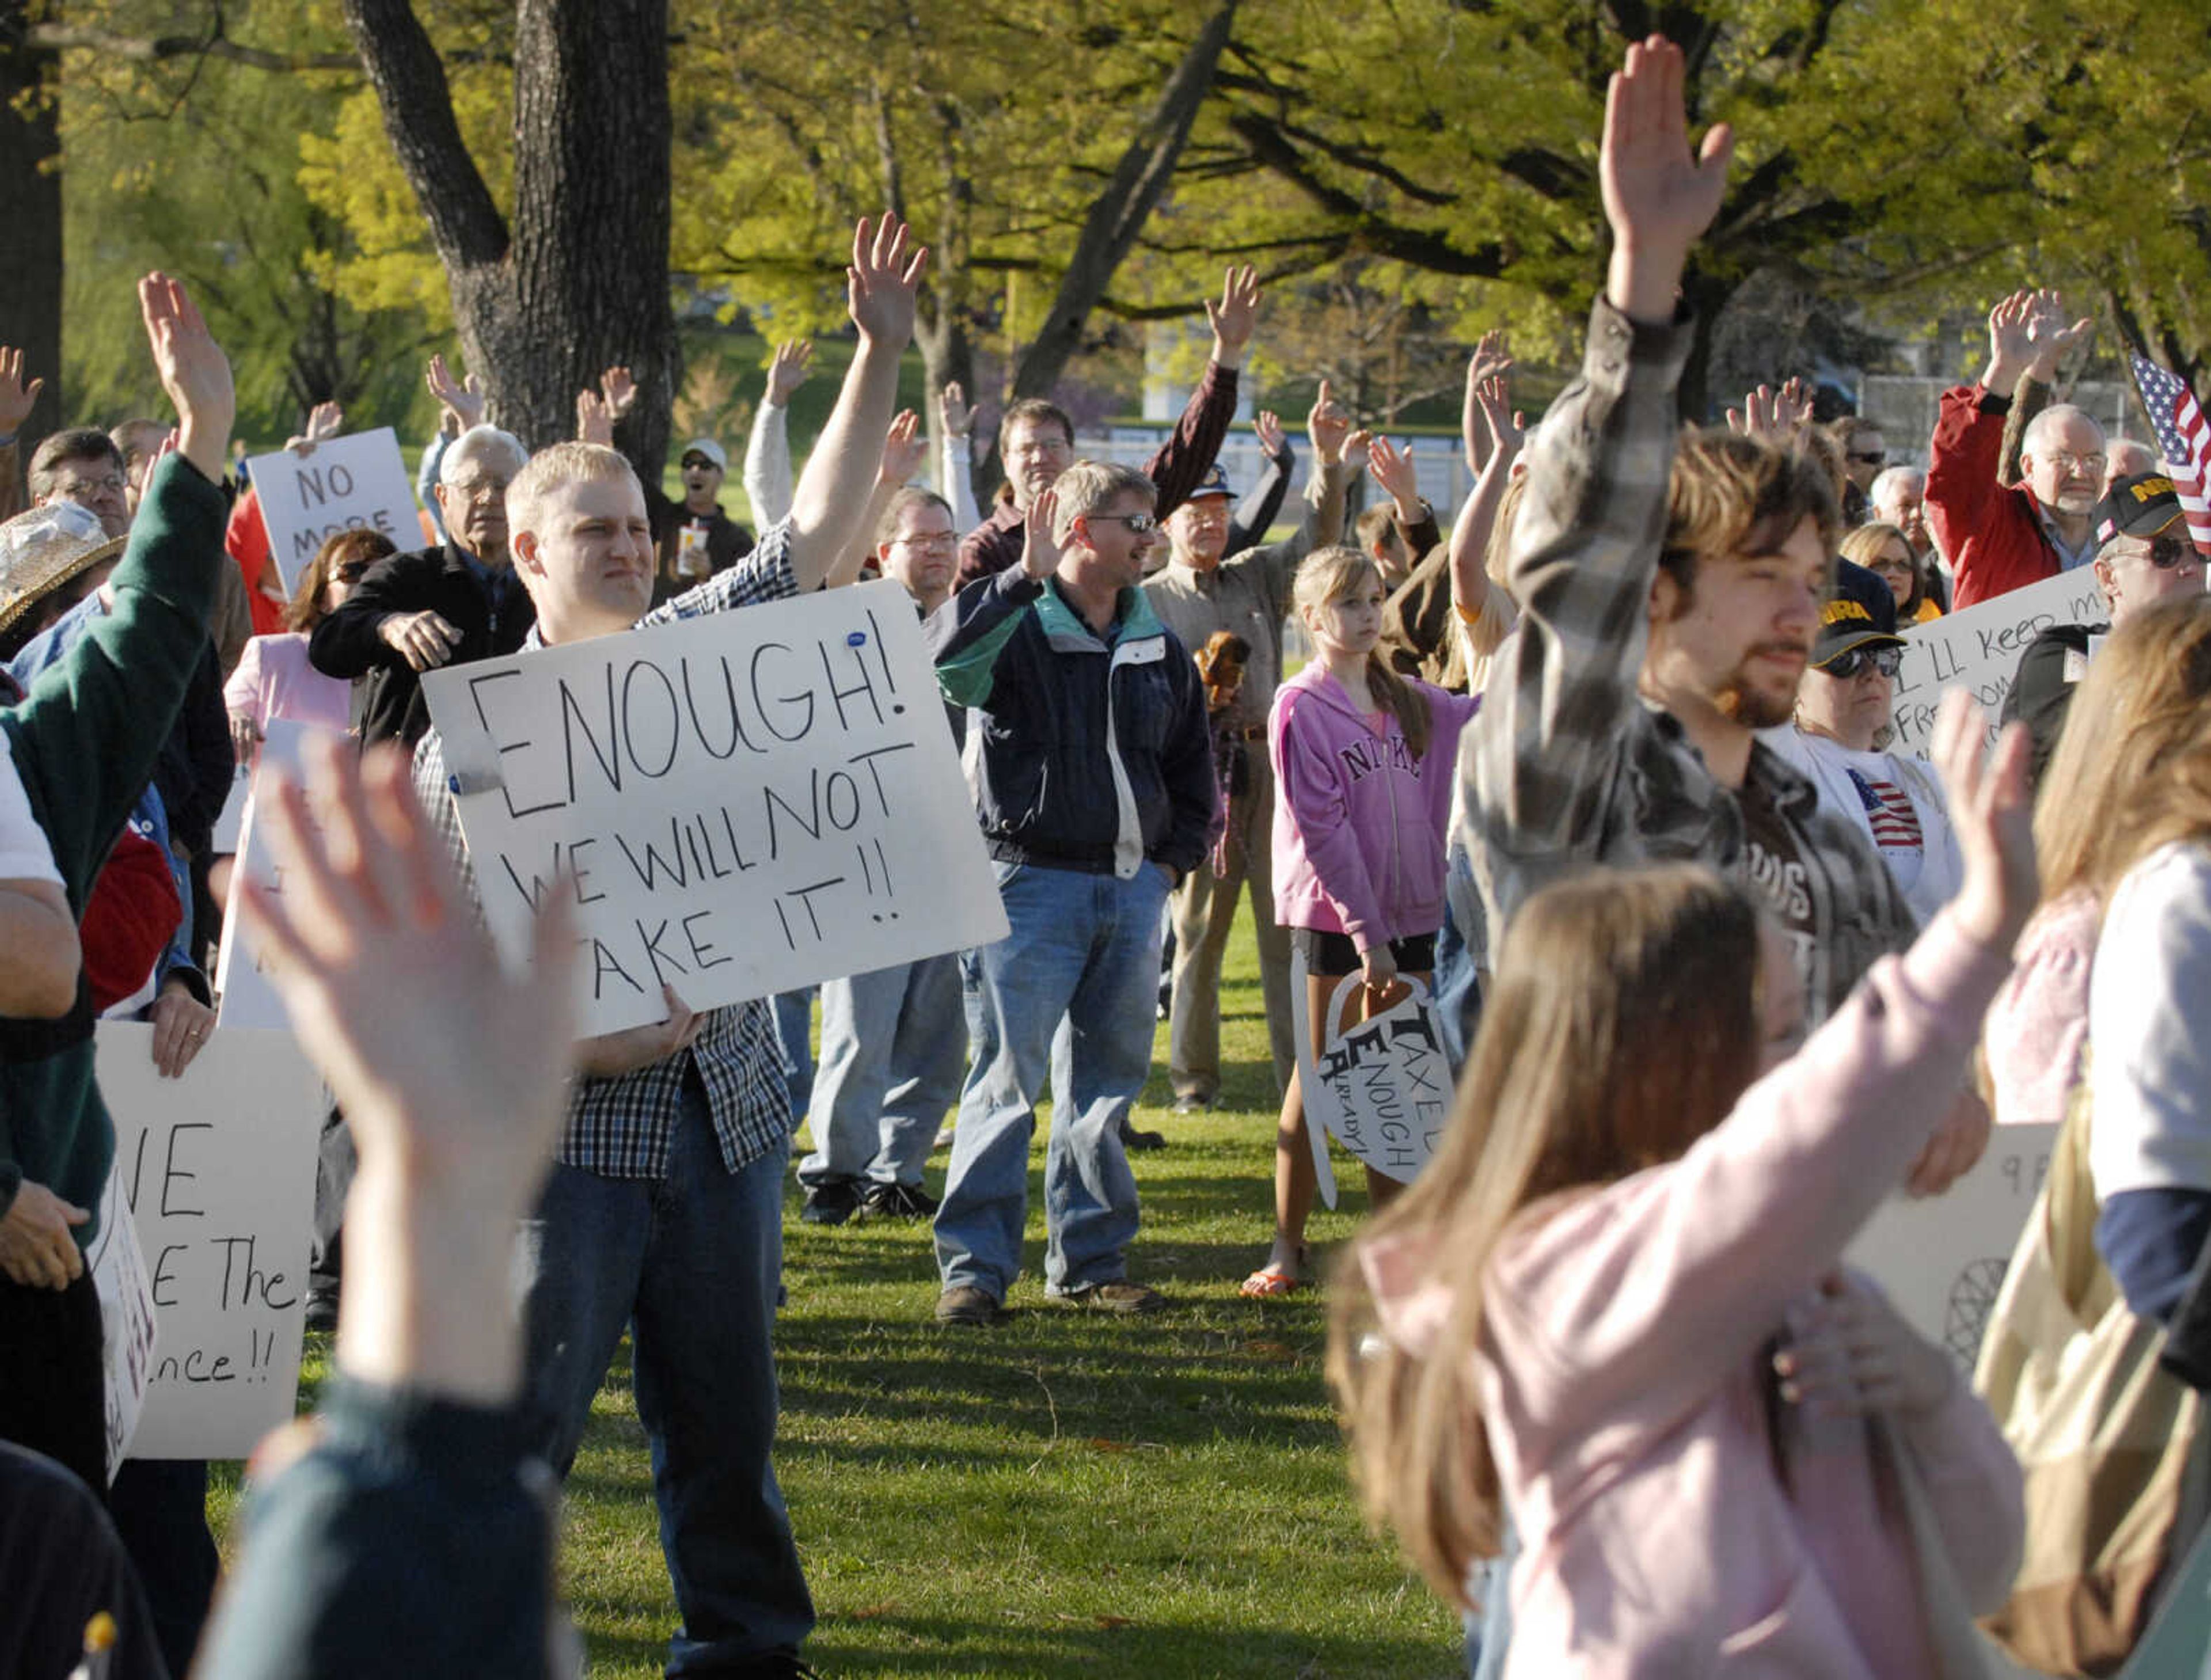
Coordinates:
[1328,425]
[464,398]
[1506,425]
[1775,415]
[1235,316]
[905,446]
[1040,539]
[1657,195]
[884,276]
[1267,427]
[1394,472]
[2011,351]
[618,390]
[595,419]
[15,397]
[954,419]
[1992,812]
[324,420]
[193,370]
[2050,339]
[787,370]
[1489,364]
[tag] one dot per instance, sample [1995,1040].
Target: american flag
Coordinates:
[2185,441]
[1889,808]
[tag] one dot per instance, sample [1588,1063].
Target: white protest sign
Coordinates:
[1942,1258]
[129,1333]
[218,1169]
[243,996]
[1979,649]
[745,802]
[1381,1086]
[346,483]
[231,819]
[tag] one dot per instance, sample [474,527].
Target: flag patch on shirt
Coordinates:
[1889,808]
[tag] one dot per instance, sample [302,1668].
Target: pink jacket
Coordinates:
[1359,826]
[1619,1377]
[2038,1024]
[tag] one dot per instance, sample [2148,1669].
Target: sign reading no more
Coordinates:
[354,482]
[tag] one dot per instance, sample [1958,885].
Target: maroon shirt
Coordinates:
[1181,462]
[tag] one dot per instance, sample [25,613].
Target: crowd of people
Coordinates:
[1609,769]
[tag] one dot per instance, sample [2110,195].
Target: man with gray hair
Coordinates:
[452,604]
[2000,537]
[1094,787]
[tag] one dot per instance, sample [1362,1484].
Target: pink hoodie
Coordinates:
[1360,826]
[1619,1377]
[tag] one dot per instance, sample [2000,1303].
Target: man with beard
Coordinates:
[1670,587]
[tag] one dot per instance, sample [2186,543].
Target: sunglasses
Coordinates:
[1856,662]
[1868,457]
[1138,523]
[2167,552]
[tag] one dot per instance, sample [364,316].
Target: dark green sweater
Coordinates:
[84,741]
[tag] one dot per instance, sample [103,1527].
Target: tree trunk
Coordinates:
[580,282]
[31,212]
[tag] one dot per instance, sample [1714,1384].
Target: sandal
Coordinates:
[1271,1281]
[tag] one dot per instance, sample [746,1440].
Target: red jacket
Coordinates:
[1992,532]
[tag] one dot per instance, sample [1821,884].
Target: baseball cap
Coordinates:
[43,548]
[1860,612]
[1214,483]
[713,451]
[2141,505]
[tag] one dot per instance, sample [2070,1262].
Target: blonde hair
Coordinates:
[1329,574]
[1088,486]
[1623,1026]
[1861,546]
[567,463]
[1732,493]
[2132,770]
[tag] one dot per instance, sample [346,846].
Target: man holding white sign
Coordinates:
[665,1206]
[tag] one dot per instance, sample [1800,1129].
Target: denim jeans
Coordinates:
[892,1049]
[1458,987]
[1085,947]
[794,1026]
[693,1264]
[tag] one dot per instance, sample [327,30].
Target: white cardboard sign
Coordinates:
[244,997]
[1380,1086]
[128,1332]
[745,802]
[218,1169]
[345,483]
[1979,649]
[1942,1258]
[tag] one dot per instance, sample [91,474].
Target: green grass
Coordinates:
[1065,1494]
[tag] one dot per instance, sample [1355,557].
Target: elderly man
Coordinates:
[448,605]
[1197,596]
[1094,786]
[2144,556]
[1999,537]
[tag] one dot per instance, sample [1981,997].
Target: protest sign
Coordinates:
[1942,1258]
[743,802]
[344,483]
[1979,650]
[243,996]
[129,1333]
[218,1169]
[1380,1085]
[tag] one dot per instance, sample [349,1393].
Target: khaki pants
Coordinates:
[1204,909]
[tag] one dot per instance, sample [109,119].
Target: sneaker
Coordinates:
[1120,1296]
[964,1303]
[1133,1139]
[831,1202]
[898,1201]
[1192,1104]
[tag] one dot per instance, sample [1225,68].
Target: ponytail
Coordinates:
[1401,701]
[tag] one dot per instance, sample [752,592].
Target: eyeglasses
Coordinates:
[930,539]
[1138,523]
[112,484]
[1854,662]
[1868,457]
[2067,463]
[479,489]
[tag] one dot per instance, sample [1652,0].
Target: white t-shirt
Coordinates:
[24,853]
[2149,1059]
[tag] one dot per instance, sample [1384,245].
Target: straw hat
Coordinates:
[43,549]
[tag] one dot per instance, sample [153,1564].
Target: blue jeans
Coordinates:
[1458,985]
[693,1262]
[1085,947]
[892,1047]
[794,1023]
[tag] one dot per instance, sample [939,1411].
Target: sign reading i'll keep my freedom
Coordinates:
[743,803]
[1980,649]
[356,482]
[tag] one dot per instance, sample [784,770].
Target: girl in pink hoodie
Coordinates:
[1613,1307]
[1363,768]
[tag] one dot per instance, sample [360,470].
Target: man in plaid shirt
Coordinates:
[665,1206]
[1670,587]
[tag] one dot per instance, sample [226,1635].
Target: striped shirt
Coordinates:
[619,1128]
[1566,766]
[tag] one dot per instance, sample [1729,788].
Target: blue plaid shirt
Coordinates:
[619,1128]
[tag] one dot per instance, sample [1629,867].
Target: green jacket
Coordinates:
[84,741]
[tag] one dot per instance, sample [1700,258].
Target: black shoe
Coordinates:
[898,1201]
[1133,1139]
[831,1202]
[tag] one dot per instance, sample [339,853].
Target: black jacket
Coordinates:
[2041,693]
[387,696]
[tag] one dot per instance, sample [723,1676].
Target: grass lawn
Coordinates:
[1065,1494]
